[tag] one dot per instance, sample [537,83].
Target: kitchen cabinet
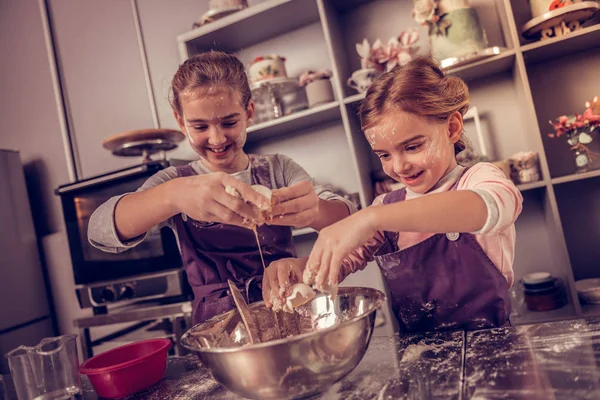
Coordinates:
[102,77]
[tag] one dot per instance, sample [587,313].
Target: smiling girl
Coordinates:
[213,107]
[445,242]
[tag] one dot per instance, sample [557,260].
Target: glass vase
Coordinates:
[581,159]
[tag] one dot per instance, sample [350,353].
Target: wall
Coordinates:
[28,116]
[105,93]
[29,122]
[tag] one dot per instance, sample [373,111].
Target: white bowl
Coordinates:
[589,290]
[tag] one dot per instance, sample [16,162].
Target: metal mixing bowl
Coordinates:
[300,355]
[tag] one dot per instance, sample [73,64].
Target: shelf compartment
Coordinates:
[576,177]
[579,207]
[252,25]
[561,86]
[590,310]
[294,122]
[538,246]
[532,185]
[346,5]
[550,49]
[503,62]
[537,317]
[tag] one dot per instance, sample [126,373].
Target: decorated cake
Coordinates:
[540,7]
[266,67]
[454,27]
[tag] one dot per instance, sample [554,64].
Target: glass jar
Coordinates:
[581,159]
[543,292]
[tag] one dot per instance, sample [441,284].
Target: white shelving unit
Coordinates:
[294,122]
[516,93]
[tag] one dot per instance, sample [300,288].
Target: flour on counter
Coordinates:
[413,352]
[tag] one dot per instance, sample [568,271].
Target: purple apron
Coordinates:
[213,253]
[445,282]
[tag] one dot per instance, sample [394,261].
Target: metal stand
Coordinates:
[175,318]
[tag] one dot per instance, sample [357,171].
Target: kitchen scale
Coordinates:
[143,143]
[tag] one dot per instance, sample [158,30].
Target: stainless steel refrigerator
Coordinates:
[24,304]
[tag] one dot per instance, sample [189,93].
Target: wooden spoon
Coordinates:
[247,317]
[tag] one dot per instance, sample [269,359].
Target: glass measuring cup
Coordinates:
[48,371]
[3,391]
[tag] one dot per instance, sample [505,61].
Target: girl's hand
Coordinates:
[334,243]
[278,278]
[296,206]
[211,198]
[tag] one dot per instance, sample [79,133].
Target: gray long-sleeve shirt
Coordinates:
[102,232]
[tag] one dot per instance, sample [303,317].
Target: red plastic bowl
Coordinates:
[127,369]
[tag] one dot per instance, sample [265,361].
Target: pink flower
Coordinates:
[397,51]
[424,11]
[563,124]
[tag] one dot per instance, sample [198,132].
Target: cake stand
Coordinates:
[561,21]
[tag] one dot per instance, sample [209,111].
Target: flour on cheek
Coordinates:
[187,131]
[434,151]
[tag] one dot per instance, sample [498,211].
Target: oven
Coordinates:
[151,270]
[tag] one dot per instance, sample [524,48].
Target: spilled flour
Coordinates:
[191,383]
[413,352]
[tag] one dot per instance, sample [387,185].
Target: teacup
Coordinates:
[363,78]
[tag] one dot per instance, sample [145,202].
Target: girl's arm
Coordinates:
[456,211]
[282,274]
[329,212]
[201,197]
[491,204]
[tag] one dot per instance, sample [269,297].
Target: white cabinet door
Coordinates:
[102,75]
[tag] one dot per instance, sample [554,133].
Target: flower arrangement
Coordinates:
[398,51]
[311,76]
[427,13]
[578,130]
[574,126]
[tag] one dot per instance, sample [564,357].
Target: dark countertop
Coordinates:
[559,360]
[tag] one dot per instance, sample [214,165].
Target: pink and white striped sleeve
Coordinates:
[358,259]
[502,198]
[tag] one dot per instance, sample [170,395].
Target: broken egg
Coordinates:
[260,189]
[301,294]
[266,193]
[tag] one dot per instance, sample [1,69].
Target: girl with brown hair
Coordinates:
[445,242]
[212,104]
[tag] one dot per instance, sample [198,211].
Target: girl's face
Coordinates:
[215,122]
[413,150]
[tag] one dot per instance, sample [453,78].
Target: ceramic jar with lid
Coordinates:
[543,292]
